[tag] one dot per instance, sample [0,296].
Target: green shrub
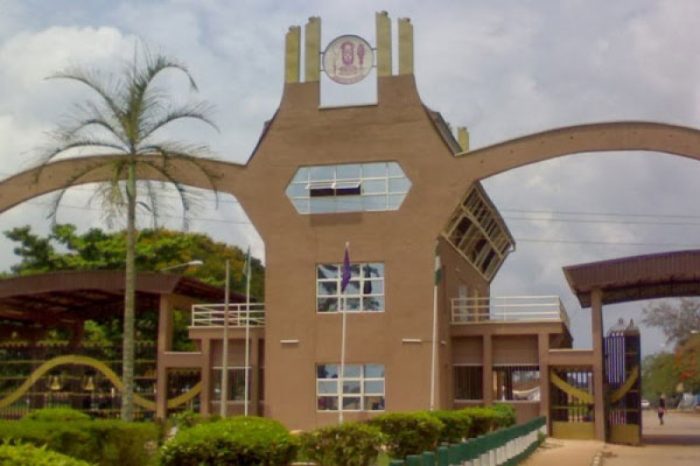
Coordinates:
[349,444]
[240,440]
[456,425]
[186,419]
[29,455]
[409,433]
[506,415]
[104,442]
[56,415]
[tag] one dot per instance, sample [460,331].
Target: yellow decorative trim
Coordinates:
[570,389]
[627,386]
[98,366]
[312,43]
[292,55]
[383,44]
[405,46]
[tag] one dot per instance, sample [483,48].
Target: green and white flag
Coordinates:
[438,268]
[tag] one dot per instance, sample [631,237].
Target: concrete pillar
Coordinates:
[598,362]
[205,395]
[163,344]
[543,353]
[487,365]
[405,46]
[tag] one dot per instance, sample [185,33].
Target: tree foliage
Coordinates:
[676,320]
[660,375]
[64,248]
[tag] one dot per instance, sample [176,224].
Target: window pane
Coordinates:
[374,403]
[327,288]
[376,269]
[376,202]
[374,187]
[301,175]
[374,303]
[327,371]
[395,169]
[327,271]
[351,387]
[394,201]
[327,304]
[374,387]
[302,205]
[349,204]
[399,185]
[348,172]
[352,304]
[328,403]
[353,288]
[325,173]
[373,169]
[322,205]
[297,190]
[374,371]
[352,371]
[351,403]
[327,387]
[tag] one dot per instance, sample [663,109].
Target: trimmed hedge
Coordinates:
[241,441]
[409,433]
[29,455]
[103,442]
[456,425]
[349,444]
[488,418]
[56,415]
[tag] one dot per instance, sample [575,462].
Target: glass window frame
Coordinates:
[357,380]
[358,280]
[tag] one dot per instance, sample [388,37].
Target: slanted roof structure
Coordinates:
[638,277]
[70,296]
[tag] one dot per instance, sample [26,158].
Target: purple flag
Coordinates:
[346,273]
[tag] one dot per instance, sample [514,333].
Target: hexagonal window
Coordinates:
[356,187]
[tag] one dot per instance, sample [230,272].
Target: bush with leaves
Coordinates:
[456,425]
[56,415]
[244,441]
[30,455]
[104,442]
[506,415]
[409,433]
[349,444]
[488,418]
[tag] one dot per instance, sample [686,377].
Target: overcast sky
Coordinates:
[504,69]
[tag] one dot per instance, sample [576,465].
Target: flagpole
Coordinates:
[247,334]
[345,278]
[434,349]
[224,356]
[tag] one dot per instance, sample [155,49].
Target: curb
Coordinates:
[598,458]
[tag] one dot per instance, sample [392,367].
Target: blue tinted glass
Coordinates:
[374,387]
[327,288]
[374,187]
[352,371]
[325,387]
[327,371]
[374,303]
[348,172]
[374,371]
[301,175]
[394,201]
[399,185]
[327,271]
[297,190]
[374,202]
[395,169]
[348,204]
[322,205]
[371,170]
[324,173]
[302,205]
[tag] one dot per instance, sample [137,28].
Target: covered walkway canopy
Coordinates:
[66,297]
[634,278]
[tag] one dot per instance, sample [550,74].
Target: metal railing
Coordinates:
[238,316]
[508,309]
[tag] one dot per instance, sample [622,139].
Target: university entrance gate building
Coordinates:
[394,181]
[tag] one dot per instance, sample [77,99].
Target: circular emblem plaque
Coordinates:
[348,59]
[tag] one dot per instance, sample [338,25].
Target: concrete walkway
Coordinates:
[676,443]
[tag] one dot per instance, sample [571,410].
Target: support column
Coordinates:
[312,45]
[405,46]
[292,55]
[254,408]
[384,66]
[205,395]
[487,368]
[164,343]
[598,363]
[543,350]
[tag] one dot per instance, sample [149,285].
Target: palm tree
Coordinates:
[123,119]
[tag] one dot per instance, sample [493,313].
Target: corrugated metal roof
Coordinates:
[638,277]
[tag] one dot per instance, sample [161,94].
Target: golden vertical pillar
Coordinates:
[164,343]
[383,44]
[463,138]
[312,47]
[292,55]
[205,396]
[598,363]
[405,46]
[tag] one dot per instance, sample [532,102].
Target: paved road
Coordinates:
[676,443]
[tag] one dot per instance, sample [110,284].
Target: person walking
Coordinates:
[662,408]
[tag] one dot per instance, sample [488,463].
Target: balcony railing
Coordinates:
[238,315]
[509,309]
